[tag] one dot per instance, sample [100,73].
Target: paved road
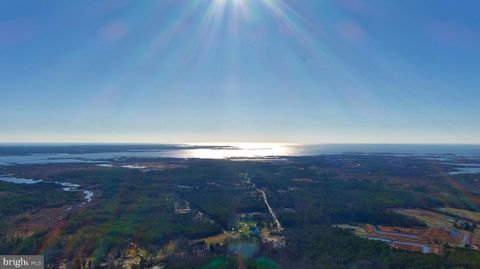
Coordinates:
[279,226]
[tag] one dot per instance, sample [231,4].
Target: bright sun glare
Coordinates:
[219,6]
[236,10]
[241,150]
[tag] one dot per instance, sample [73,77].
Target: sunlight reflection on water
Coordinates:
[242,150]
[237,151]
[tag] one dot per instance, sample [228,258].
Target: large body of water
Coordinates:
[257,150]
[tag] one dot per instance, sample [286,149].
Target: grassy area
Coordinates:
[358,231]
[472,215]
[431,219]
[218,239]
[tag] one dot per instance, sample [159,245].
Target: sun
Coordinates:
[238,6]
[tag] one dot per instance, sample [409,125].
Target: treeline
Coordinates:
[319,246]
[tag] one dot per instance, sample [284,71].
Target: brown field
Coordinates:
[220,239]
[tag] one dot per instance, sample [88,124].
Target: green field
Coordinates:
[472,215]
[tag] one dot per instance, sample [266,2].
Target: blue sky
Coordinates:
[342,71]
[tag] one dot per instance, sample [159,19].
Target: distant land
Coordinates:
[242,205]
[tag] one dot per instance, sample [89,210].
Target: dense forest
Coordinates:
[167,215]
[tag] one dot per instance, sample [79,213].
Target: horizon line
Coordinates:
[79,143]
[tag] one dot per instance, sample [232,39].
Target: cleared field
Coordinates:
[440,231]
[430,218]
[358,231]
[472,215]
[440,227]
[217,239]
